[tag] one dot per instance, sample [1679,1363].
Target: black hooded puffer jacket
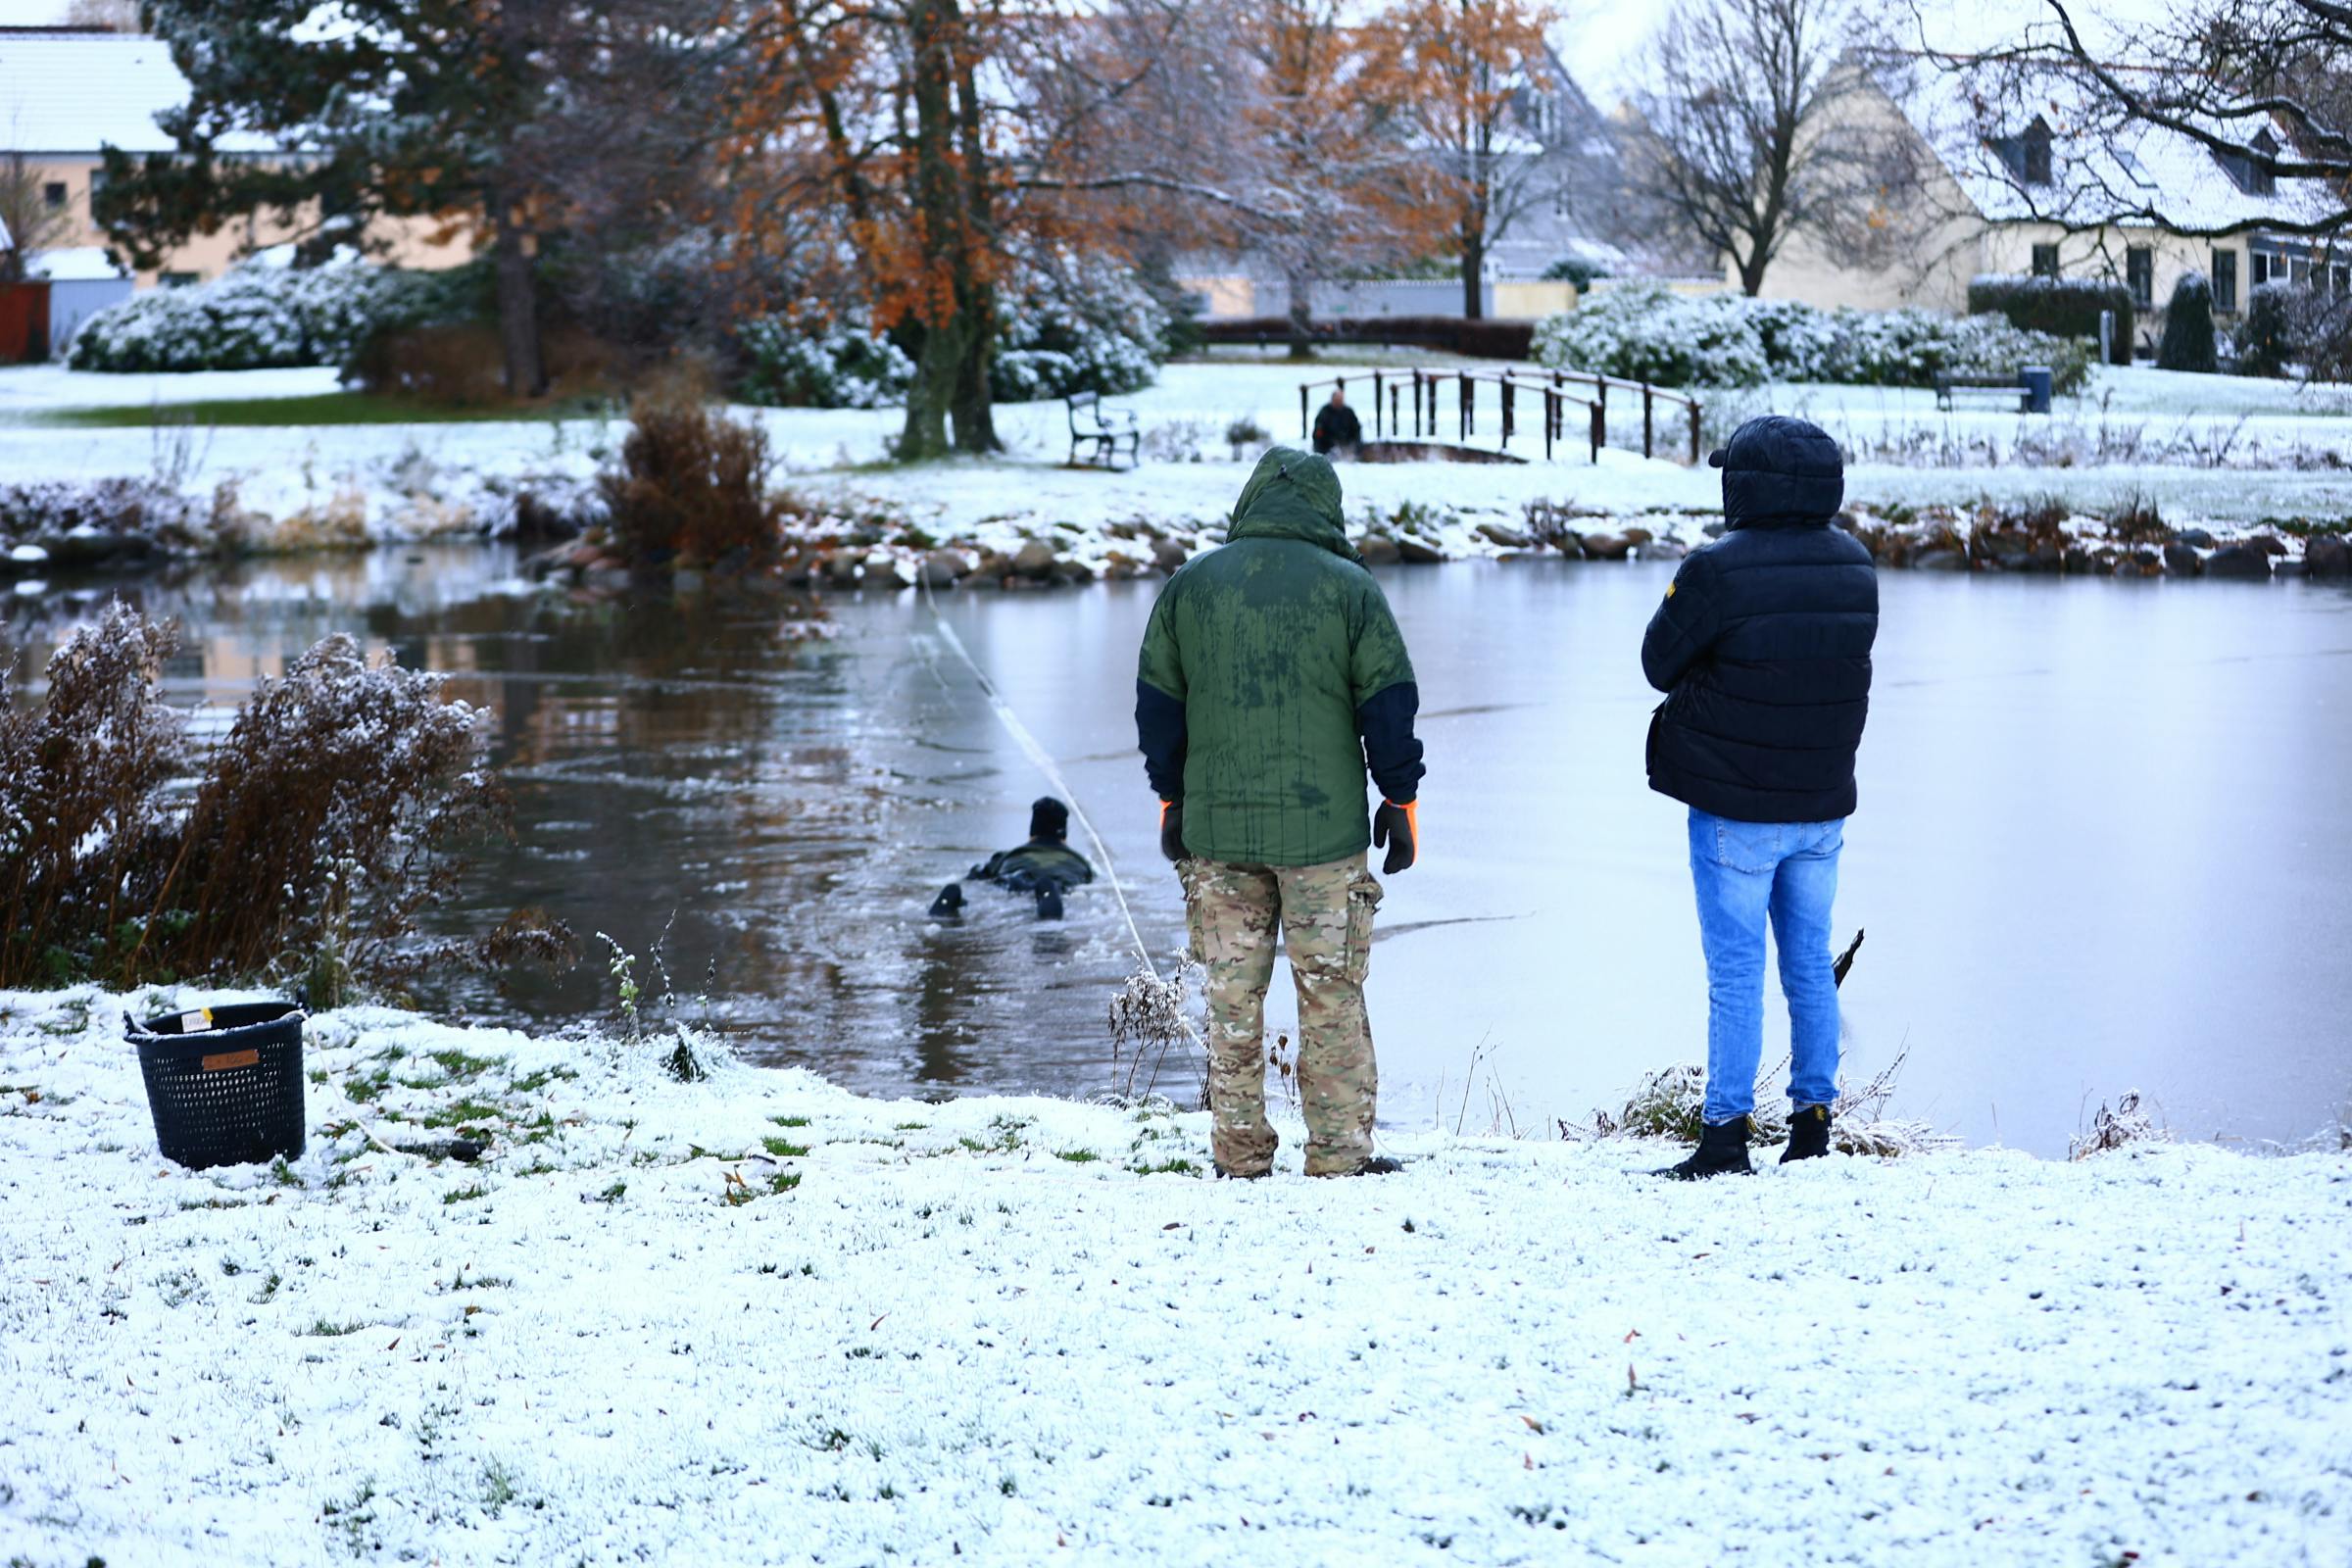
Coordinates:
[1763,643]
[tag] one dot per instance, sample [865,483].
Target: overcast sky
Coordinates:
[1599,38]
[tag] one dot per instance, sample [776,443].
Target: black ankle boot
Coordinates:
[1722,1150]
[950,902]
[1808,1134]
[1049,904]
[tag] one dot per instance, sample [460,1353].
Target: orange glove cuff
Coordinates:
[1412,817]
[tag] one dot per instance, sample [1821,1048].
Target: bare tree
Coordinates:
[1746,134]
[2265,86]
[33,225]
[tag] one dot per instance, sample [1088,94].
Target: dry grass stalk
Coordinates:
[692,484]
[1669,1104]
[2125,1125]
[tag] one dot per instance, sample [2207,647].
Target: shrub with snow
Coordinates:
[2189,339]
[803,361]
[1064,324]
[1645,332]
[257,315]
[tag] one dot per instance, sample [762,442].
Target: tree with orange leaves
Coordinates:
[1455,74]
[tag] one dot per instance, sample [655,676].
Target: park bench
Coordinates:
[1104,430]
[2010,386]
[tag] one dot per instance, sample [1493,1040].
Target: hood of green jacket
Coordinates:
[1293,495]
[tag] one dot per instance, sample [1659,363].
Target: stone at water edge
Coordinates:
[841,566]
[2269,544]
[1035,558]
[1606,546]
[943,568]
[2182,561]
[1168,554]
[1417,554]
[1509,538]
[2328,556]
[2247,563]
[1664,550]
[1940,561]
[1379,550]
[2195,538]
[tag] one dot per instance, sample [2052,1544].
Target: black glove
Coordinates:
[1171,829]
[1394,826]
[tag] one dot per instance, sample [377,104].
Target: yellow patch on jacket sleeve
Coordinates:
[1670,590]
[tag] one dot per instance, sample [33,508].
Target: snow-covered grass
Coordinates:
[758,1318]
[2206,449]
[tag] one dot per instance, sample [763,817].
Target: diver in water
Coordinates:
[1044,868]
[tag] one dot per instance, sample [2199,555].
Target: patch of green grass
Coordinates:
[783,1148]
[320,408]
[463,1113]
[614,1193]
[784,1181]
[283,1174]
[365,1091]
[1077,1157]
[910,1126]
[460,1064]
[532,1083]
[324,1330]
[465,1195]
[790,1121]
[1167,1167]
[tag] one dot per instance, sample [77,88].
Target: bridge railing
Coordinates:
[1555,393]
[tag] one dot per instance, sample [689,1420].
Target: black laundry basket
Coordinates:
[225,1083]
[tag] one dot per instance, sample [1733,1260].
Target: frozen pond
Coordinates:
[2103,840]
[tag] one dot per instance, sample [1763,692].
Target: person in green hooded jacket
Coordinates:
[1273,679]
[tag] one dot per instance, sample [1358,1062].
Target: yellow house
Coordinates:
[2049,188]
[66,96]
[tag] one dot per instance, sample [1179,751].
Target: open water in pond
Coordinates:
[2105,839]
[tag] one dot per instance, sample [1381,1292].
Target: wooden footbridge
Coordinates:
[1414,404]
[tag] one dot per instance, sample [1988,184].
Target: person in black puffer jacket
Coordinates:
[1763,650]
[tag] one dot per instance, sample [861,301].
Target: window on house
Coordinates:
[2299,271]
[2261,267]
[53,195]
[2261,178]
[2045,261]
[2224,280]
[2035,145]
[176,279]
[2139,274]
[2339,279]
[2134,168]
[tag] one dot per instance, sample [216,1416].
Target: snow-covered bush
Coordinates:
[803,361]
[1075,325]
[2188,342]
[257,315]
[1064,324]
[1645,332]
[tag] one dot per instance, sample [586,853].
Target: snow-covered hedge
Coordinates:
[803,361]
[1076,325]
[1064,324]
[1646,333]
[257,315]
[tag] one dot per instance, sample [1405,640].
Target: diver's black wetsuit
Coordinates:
[1044,868]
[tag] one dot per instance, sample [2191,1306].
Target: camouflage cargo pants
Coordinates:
[1325,915]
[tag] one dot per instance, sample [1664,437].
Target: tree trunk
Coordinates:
[1302,314]
[973,407]
[939,223]
[1474,267]
[514,255]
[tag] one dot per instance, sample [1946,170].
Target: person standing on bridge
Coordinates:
[1337,428]
[1762,647]
[1272,680]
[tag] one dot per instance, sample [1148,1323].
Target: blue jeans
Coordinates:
[1744,872]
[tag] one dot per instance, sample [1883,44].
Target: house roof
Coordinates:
[2104,167]
[77,92]
[75,264]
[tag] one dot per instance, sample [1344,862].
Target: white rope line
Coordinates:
[1037,753]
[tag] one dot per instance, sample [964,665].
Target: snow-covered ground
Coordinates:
[2206,449]
[759,1319]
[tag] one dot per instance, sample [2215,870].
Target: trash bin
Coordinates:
[225,1083]
[2036,379]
